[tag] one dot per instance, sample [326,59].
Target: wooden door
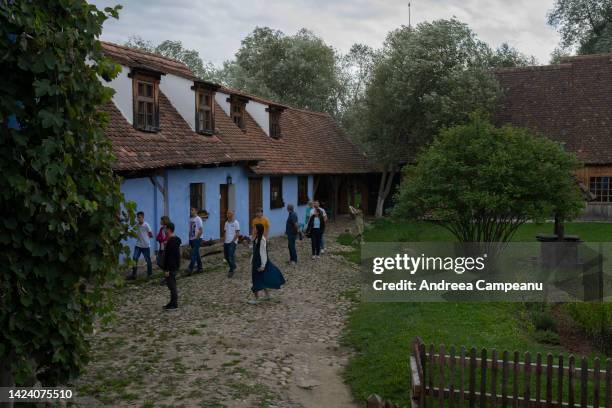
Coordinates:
[223,207]
[255,197]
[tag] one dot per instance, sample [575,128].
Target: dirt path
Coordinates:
[218,351]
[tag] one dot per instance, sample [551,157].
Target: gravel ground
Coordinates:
[218,351]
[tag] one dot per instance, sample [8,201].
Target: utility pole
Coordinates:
[409,25]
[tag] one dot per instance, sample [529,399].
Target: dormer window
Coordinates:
[204,106]
[146,101]
[275,125]
[274,119]
[238,115]
[237,110]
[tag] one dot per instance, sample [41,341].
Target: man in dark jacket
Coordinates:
[291,230]
[172,262]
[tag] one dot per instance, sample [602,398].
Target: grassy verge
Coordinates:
[381,332]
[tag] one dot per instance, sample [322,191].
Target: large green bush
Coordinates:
[482,182]
[60,230]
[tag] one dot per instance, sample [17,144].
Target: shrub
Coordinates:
[546,337]
[595,320]
[543,321]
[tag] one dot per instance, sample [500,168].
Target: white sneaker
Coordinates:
[253,302]
[314,257]
[322,250]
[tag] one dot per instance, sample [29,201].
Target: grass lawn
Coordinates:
[381,332]
[385,230]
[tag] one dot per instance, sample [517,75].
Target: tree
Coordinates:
[506,56]
[61,203]
[427,77]
[298,70]
[557,55]
[175,50]
[482,183]
[585,25]
[355,70]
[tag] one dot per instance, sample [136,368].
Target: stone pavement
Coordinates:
[219,351]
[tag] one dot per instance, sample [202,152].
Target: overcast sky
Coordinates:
[216,27]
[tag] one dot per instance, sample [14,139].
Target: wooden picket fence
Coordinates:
[476,378]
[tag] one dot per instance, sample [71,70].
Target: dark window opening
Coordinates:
[275,130]
[302,190]
[205,114]
[196,196]
[237,109]
[276,192]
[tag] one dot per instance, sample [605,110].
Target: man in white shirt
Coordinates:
[232,233]
[143,245]
[196,229]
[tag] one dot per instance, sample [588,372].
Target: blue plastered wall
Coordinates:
[212,178]
[148,199]
[142,192]
[278,216]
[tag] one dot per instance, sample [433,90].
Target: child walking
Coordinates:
[172,262]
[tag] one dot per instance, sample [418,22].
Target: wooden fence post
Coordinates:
[527,379]
[494,378]
[549,376]
[570,381]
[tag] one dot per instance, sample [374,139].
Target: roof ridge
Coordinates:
[602,55]
[261,99]
[551,67]
[140,51]
[310,112]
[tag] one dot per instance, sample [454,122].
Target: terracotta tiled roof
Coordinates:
[310,143]
[175,145]
[570,102]
[137,58]
[233,91]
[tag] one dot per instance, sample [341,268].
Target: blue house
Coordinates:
[183,142]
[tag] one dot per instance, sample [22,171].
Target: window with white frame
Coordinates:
[601,188]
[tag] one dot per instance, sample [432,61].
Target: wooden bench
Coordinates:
[479,378]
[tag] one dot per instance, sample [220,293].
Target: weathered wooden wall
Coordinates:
[594,210]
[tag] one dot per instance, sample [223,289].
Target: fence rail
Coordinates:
[479,378]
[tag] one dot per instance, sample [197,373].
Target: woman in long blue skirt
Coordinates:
[265,275]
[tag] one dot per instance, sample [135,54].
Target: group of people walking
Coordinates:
[264,274]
